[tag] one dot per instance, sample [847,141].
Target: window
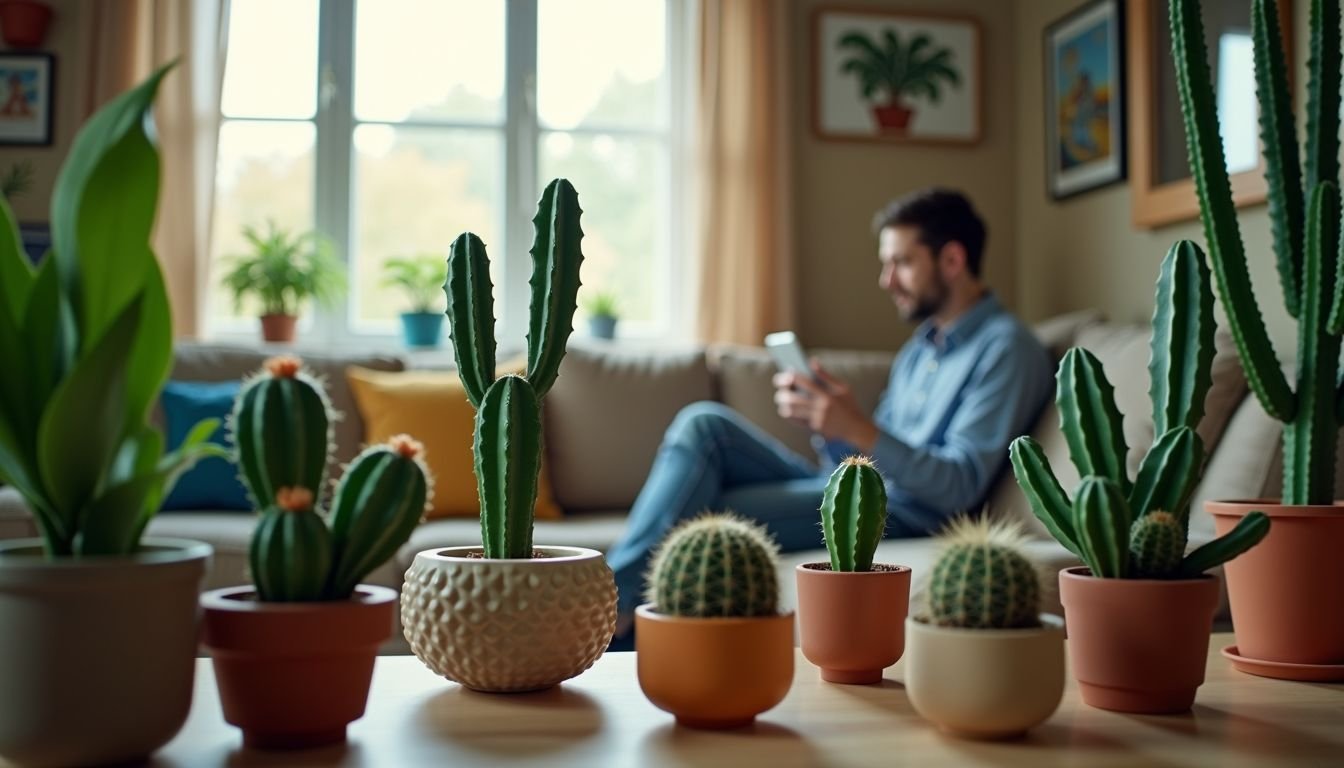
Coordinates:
[390,127]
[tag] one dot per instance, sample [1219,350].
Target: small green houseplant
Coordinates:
[307,564]
[851,611]
[1303,552]
[713,648]
[280,272]
[1132,533]
[893,70]
[984,661]
[422,278]
[604,312]
[17,179]
[86,345]
[568,593]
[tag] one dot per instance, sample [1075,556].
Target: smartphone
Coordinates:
[788,353]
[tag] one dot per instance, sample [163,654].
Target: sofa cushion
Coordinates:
[213,483]
[606,415]
[16,522]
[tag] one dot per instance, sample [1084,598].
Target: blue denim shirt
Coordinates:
[953,403]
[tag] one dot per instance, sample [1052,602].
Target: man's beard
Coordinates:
[928,304]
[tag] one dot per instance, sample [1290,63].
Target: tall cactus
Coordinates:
[507,443]
[854,514]
[982,580]
[380,499]
[1101,524]
[1306,237]
[717,565]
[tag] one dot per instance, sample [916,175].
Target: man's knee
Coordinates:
[699,421]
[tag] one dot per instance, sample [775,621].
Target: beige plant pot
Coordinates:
[985,683]
[97,655]
[509,625]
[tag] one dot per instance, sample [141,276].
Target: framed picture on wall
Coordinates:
[27,87]
[895,76]
[1085,99]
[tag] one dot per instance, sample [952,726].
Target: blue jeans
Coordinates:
[713,458]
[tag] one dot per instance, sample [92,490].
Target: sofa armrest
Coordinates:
[16,522]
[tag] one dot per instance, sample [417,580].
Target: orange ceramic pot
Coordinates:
[852,624]
[278,328]
[1138,645]
[294,675]
[1286,591]
[714,673]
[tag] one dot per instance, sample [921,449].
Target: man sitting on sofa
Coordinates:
[970,380]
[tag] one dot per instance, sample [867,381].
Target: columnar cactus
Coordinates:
[854,514]
[715,566]
[982,580]
[507,445]
[1306,235]
[1109,509]
[380,499]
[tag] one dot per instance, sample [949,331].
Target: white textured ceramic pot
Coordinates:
[97,655]
[509,625]
[985,683]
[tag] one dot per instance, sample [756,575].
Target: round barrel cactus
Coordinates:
[1156,545]
[716,566]
[982,580]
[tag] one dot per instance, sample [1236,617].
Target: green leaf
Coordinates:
[151,357]
[16,273]
[111,522]
[48,353]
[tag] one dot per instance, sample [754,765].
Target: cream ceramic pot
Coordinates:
[985,683]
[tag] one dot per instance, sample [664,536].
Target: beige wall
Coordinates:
[1083,251]
[840,184]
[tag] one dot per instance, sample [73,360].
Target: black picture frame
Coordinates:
[27,99]
[1085,134]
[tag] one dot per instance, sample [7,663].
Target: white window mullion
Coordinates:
[331,202]
[683,25]
[520,164]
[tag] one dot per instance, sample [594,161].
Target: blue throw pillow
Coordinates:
[213,483]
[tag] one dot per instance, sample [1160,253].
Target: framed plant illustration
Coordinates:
[896,76]
[1085,99]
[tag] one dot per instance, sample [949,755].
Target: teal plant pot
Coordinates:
[602,327]
[421,329]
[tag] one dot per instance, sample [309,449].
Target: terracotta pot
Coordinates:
[509,625]
[24,22]
[294,675]
[1138,645]
[893,117]
[852,625]
[278,328]
[714,673]
[98,654]
[985,683]
[1287,591]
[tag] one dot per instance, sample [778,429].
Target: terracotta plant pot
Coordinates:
[714,673]
[1138,645]
[509,625]
[852,625]
[294,675]
[278,328]
[97,655]
[1287,591]
[893,118]
[24,22]
[985,683]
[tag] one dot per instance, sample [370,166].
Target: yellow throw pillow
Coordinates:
[432,407]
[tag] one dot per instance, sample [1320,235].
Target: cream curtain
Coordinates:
[128,40]
[746,270]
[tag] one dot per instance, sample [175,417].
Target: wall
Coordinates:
[1083,251]
[838,186]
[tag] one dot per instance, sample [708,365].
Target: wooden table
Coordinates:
[601,718]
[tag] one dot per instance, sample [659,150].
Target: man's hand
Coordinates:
[826,406]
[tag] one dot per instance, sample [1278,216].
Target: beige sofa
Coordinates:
[606,415]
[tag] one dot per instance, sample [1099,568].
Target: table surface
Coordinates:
[601,718]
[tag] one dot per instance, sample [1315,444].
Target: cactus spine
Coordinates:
[982,580]
[1109,510]
[715,566]
[507,443]
[854,514]
[380,499]
[1306,236]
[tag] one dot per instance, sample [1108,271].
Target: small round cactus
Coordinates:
[291,549]
[1156,545]
[854,514]
[982,580]
[716,565]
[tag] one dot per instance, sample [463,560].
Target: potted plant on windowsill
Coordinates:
[713,648]
[851,611]
[293,655]
[510,616]
[604,312]
[985,662]
[1139,614]
[281,272]
[423,278]
[1280,592]
[93,609]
